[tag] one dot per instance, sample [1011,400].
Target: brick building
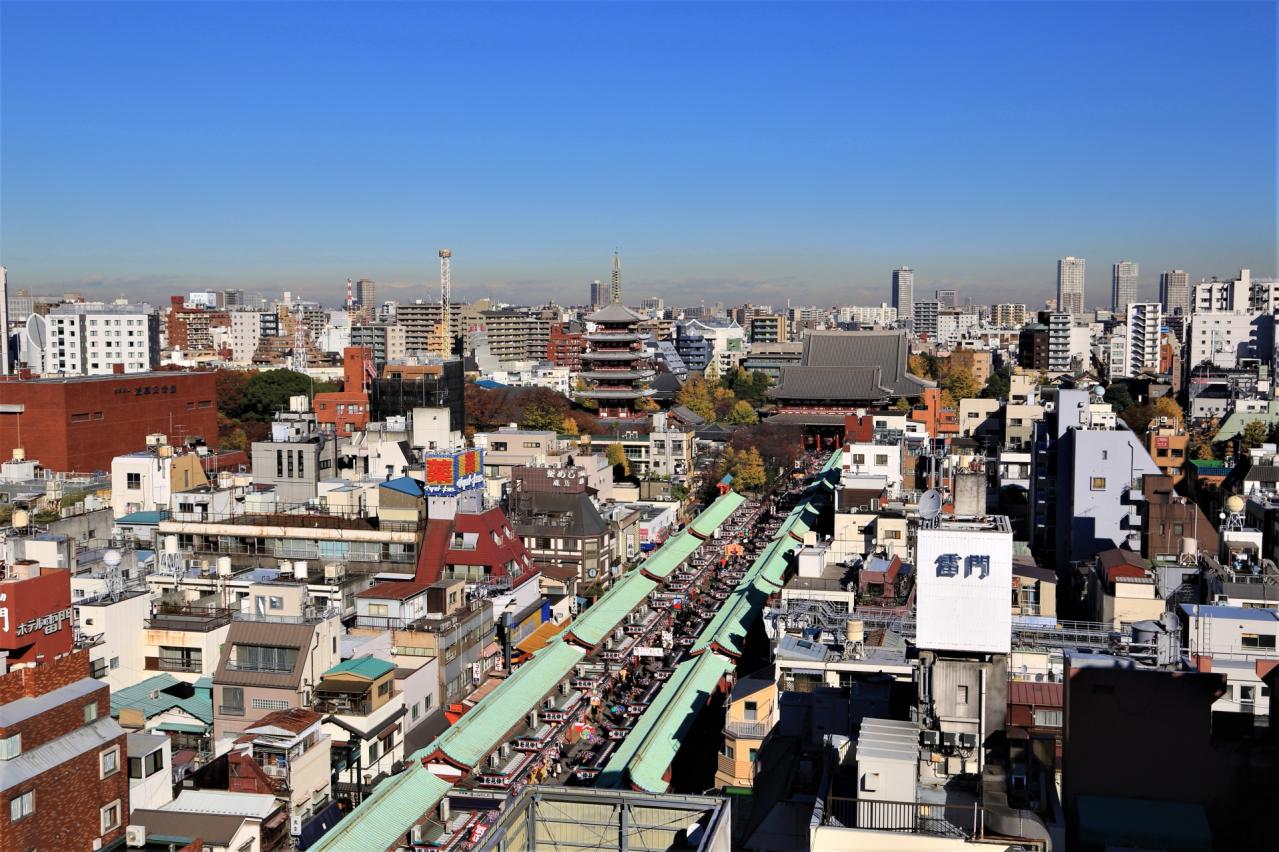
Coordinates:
[80,423]
[63,783]
[347,411]
[191,327]
[564,346]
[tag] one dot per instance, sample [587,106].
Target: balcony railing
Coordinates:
[163,665]
[936,820]
[748,730]
[200,619]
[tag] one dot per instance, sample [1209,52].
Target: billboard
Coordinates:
[964,589]
[453,471]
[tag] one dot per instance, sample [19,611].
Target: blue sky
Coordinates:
[730,151]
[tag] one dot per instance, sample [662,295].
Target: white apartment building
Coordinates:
[246,334]
[953,325]
[86,340]
[1215,295]
[1223,337]
[1143,322]
[882,315]
[1008,315]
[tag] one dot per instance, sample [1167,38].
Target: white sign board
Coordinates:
[964,590]
[647,652]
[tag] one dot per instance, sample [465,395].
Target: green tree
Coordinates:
[961,384]
[616,455]
[1254,434]
[543,415]
[723,400]
[997,385]
[1119,397]
[268,391]
[741,414]
[695,395]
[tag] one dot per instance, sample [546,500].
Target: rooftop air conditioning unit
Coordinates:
[967,740]
[135,835]
[929,739]
[949,739]
[334,571]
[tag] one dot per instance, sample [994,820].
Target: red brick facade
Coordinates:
[564,348]
[80,424]
[68,799]
[347,410]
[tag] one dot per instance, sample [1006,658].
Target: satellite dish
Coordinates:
[930,504]
[36,330]
[1235,504]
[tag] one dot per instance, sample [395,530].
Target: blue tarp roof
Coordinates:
[405,485]
[488,384]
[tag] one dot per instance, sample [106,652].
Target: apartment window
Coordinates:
[750,711]
[133,481]
[145,767]
[279,464]
[379,609]
[892,535]
[417,711]
[961,696]
[859,458]
[728,751]
[301,466]
[22,806]
[1105,454]
[232,701]
[1099,483]
[179,659]
[384,689]
[274,602]
[11,747]
[263,658]
[1048,718]
[373,751]
[91,712]
[109,761]
[498,446]
[110,817]
[1257,640]
[1178,529]
[752,754]
[288,456]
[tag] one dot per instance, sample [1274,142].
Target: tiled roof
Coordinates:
[396,590]
[614,312]
[367,667]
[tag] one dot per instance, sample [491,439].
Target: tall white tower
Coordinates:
[904,292]
[1070,285]
[1123,285]
[616,291]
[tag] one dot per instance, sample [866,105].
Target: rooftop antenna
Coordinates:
[115,579]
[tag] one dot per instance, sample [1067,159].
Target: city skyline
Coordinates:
[768,187]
